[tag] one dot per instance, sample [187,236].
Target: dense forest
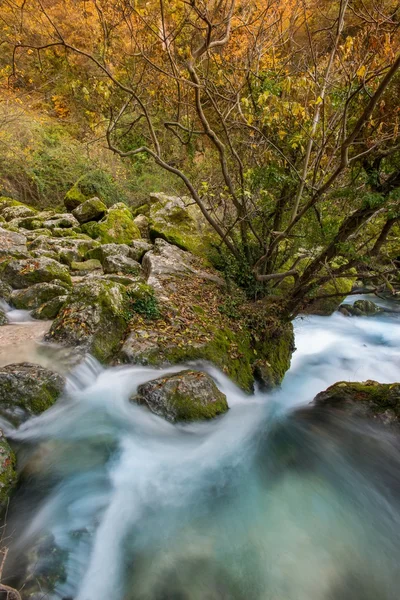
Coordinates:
[279,119]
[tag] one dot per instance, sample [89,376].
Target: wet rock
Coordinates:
[360,308]
[5,291]
[8,475]
[12,244]
[90,210]
[26,390]
[61,221]
[3,318]
[368,399]
[37,294]
[93,318]
[24,273]
[184,396]
[116,227]
[50,309]
[122,264]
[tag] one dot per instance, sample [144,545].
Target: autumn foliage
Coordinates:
[280,118]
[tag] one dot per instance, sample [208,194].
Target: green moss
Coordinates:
[87,265]
[74,197]
[380,397]
[189,410]
[116,227]
[8,475]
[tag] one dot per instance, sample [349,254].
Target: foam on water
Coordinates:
[262,503]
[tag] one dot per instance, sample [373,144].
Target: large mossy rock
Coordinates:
[368,399]
[179,222]
[15,212]
[67,250]
[36,295]
[326,306]
[62,221]
[192,324]
[12,244]
[116,227]
[8,474]
[26,272]
[26,390]
[93,318]
[184,396]
[90,210]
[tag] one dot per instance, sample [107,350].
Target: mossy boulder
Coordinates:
[367,399]
[139,248]
[190,325]
[179,222]
[93,318]
[122,264]
[50,309]
[66,250]
[5,291]
[26,272]
[184,396]
[65,221]
[37,294]
[12,244]
[86,266]
[273,343]
[90,210]
[143,224]
[116,227]
[26,390]
[14,212]
[3,318]
[341,288]
[8,474]
[360,308]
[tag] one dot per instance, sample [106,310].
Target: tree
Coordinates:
[291,109]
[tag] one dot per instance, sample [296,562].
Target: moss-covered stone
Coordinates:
[184,396]
[86,266]
[37,294]
[50,309]
[26,390]
[367,399]
[3,318]
[191,325]
[24,273]
[8,474]
[360,308]
[90,210]
[326,306]
[93,318]
[12,244]
[74,197]
[116,227]
[182,225]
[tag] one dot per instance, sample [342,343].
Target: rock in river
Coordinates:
[26,390]
[184,396]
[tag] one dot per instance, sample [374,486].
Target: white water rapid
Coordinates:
[264,503]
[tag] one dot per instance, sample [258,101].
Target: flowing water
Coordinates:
[272,501]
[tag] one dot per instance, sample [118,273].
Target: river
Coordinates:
[268,502]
